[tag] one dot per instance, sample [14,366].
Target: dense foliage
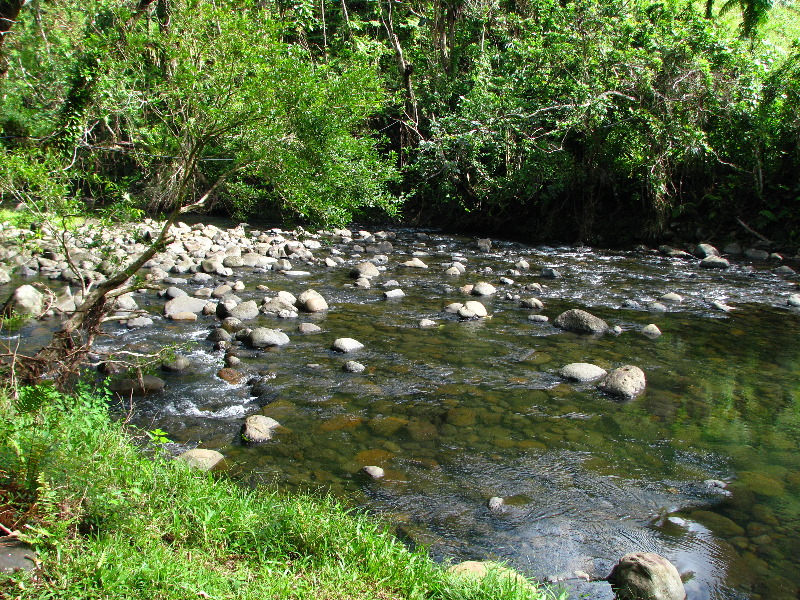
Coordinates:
[596,120]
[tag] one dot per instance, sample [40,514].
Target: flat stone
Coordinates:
[307,328]
[582,372]
[231,376]
[16,555]
[184,304]
[393,294]
[185,316]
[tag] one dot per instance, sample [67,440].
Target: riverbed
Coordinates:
[702,467]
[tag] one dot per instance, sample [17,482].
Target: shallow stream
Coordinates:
[469,410]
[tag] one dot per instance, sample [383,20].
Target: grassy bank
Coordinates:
[110,522]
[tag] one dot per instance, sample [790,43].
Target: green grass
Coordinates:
[108,522]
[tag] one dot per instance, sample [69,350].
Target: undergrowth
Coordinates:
[109,522]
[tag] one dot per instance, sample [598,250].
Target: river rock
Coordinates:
[138,322]
[733,248]
[533,303]
[143,386]
[390,294]
[624,382]
[200,458]
[174,292]
[496,505]
[794,300]
[483,288]
[484,244]
[365,270]
[346,345]
[26,300]
[415,263]
[538,318]
[184,304]
[550,273]
[715,262]
[179,364]
[258,429]
[705,250]
[472,309]
[244,311]
[312,301]
[373,471]
[351,366]
[580,321]
[582,372]
[427,323]
[646,575]
[756,254]
[307,328]
[651,330]
[671,298]
[264,337]
[183,316]
[785,270]
[231,376]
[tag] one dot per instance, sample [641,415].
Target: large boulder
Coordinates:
[26,300]
[646,576]
[580,321]
[244,311]
[625,382]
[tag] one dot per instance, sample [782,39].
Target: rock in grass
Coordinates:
[646,575]
[580,321]
[258,429]
[625,382]
[346,345]
[582,372]
[200,458]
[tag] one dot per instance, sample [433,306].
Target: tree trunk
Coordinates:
[9,11]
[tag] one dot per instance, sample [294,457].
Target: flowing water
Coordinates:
[466,411]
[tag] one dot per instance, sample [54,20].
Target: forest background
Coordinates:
[599,121]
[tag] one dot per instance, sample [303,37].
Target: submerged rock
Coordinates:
[646,575]
[143,386]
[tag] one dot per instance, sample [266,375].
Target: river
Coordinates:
[465,411]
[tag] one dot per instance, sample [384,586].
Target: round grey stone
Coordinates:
[625,382]
[580,321]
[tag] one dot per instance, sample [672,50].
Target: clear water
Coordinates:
[466,411]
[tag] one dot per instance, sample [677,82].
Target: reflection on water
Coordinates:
[465,411]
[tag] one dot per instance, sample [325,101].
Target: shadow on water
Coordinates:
[466,411]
